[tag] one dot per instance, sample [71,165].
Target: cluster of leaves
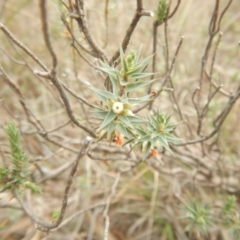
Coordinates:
[231,216]
[117,120]
[17,174]
[161,11]
[201,217]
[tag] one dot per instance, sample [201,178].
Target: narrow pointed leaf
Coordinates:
[129,141]
[123,99]
[125,131]
[137,54]
[139,100]
[145,138]
[125,120]
[140,75]
[111,127]
[164,142]
[145,62]
[135,69]
[140,132]
[123,61]
[136,85]
[111,115]
[147,150]
[114,82]
[108,69]
[134,119]
[103,95]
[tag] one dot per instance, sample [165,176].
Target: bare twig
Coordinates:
[214,55]
[11,58]
[46,74]
[153,203]
[105,213]
[214,28]
[43,10]
[76,214]
[156,24]
[166,38]
[56,172]
[223,13]
[106,23]
[79,16]
[171,66]
[24,48]
[224,114]
[30,116]
[44,226]
[74,39]
[138,14]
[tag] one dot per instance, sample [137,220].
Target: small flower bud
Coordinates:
[154,152]
[118,139]
[128,112]
[117,107]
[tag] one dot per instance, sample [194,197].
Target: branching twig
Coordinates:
[214,28]
[24,48]
[105,213]
[44,226]
[138,14]
[171,66]
[224,114]
[79,16]
[156,24]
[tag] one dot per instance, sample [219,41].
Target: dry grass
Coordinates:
[147,203]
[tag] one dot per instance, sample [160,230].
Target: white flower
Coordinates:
[117,107]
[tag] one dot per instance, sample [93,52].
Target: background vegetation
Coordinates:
[46,121]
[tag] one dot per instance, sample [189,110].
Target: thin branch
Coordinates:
[175,9]
[105,213]
[79,16]
[65,100]
[113,190]
[74,39]
[56,171]
[206,107]
[212,25]
[156,24]
[214,55]
[24,48]
[223,13]
[139,5]
[214,28]
[81,55]
[106,22]
[58,127]
[76,214]
[166,38]
[155,30]
[138,14]
[43,10]
[224,114]
[45,226]
[30,116]
[172,66]
[11,58]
